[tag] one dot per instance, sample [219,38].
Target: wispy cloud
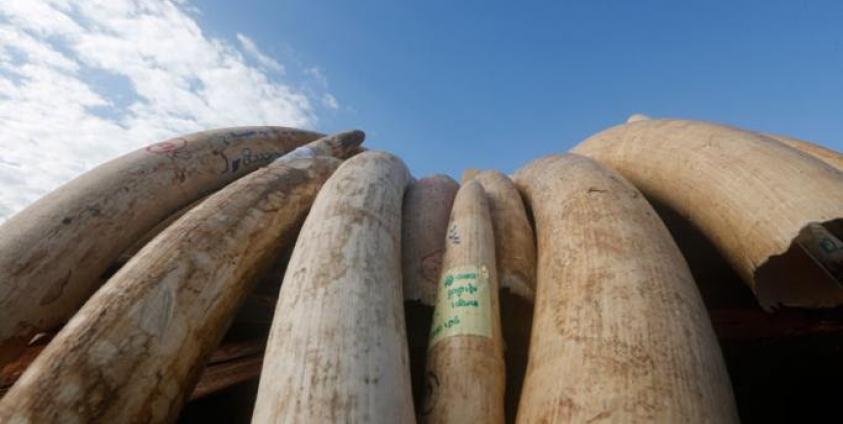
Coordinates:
[82,82]
[330,101]
[266,61]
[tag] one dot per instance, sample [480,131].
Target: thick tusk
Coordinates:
[750,195]
[620,332]
[427,205]
[134,351]
[341,145]
[465,368]
[515,253]
[337,349]
[53,253]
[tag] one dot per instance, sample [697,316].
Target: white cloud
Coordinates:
[83,82]
[317,75]
[266,61]
[330,101]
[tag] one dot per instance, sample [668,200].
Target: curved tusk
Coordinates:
[620,331]
[337,349]
[54,253]
[134,351]
[751,196]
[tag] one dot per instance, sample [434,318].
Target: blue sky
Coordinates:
[444,85]
[449,85]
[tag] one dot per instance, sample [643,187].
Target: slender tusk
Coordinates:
[465,367]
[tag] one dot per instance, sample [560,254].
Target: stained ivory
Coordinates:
[826,155]
[427,205]
[135,350]
[750,195]
[515,253]
[620,333]
[337,349]
[465,367]
[54,253]
[341,145]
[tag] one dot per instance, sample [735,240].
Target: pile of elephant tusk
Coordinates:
[554,294]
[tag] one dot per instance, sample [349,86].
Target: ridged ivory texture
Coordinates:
[337,349]
[748,194]
[620,332]
[135,350]
[53,253]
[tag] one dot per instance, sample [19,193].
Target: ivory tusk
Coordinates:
[620,332]
[135,350]
[515,252]
[337,349]
[54,253]
[465,367]
[751,196]
[427,205]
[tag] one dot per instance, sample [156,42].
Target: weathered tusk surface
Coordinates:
[135,350]
[515,254]
[750,195]
[826,155]
[337,349]
[54,253]
[465,373]
[620,332]
[425,212]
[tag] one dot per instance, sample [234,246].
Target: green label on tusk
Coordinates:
[463,304]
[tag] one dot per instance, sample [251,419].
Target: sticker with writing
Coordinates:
[463,304]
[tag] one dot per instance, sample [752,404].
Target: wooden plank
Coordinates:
[221,376]
[231,363]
